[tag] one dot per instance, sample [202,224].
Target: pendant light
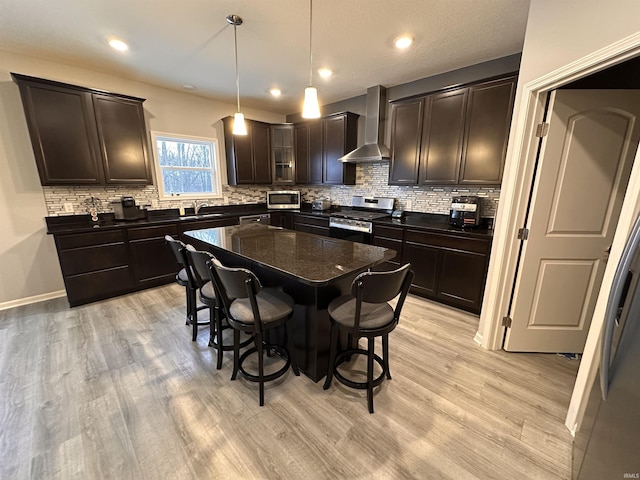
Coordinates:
[310,108]
[239,125]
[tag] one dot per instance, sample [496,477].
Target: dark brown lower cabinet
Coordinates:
[282,219]
[153,263]
[311,224]
[424,260]
[104,264]
[462,278]
[449,268]
[389,237]
[94,265]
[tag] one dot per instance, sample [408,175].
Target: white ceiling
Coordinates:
[173,43]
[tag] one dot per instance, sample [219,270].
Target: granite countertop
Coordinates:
[83,223]
[311,259]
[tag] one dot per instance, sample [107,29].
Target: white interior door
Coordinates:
[583,171]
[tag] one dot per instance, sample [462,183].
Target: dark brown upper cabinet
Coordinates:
[442,137]
[85,137]
[406,132]
[282,154]
[248,156]
[308,152]
[318,146]
[453,137]
[488,120]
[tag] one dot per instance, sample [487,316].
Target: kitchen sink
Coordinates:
[201,216]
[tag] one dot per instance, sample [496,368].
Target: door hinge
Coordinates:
[506,321]
[542,129]
[523,233]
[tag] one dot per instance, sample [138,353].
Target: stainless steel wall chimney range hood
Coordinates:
[373,149]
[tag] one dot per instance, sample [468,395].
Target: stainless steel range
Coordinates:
[355,223]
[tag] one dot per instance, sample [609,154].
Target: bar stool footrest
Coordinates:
[272,376]
[345,356]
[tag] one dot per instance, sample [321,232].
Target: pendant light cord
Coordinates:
[310,37]
[235,40]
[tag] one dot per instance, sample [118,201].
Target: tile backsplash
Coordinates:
[371,179]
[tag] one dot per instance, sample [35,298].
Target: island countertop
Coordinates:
[311,259]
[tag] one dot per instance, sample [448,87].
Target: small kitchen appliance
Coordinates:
[283,199]
[465,212]
[126,209]
[321,204]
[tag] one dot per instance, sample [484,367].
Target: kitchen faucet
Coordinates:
[197,206]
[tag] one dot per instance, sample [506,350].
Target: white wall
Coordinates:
[28,260]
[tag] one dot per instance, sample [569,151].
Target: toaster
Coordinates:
[322,204]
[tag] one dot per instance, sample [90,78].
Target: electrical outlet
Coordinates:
[68,207]
[407,205]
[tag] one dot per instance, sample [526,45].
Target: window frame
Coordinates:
[216,167]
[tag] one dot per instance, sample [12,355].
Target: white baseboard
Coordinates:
[478,338]
[34,299]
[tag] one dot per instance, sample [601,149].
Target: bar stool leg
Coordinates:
[289,347]
[259,347]
[385,354]
[371,341]
[187,291]
[333,346]
[218,321]
[236,353]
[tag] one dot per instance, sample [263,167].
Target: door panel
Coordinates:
[585,136]
[584,167]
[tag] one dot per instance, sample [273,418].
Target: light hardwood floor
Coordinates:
[116,389]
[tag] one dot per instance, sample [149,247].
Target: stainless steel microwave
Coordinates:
[283,199]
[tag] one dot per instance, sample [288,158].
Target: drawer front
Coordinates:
[317,221]
[87,239]
[152,232]
[388,232]
[92,286]
[90,259]
[476,245]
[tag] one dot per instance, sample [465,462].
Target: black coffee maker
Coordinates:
[465,212]
[126,209]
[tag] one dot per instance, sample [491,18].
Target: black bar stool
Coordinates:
[256,310]
[185,278]
[199,261]
[366,313]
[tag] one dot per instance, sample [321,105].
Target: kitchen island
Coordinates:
[312,269]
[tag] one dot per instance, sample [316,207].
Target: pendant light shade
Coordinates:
[311,107]
[239,125]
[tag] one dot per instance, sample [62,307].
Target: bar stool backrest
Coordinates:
[199,261]
[179,250]
[381,287]
[236,283]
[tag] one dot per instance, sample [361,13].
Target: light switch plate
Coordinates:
[68,207]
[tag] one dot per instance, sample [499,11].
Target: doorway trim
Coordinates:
[514,198]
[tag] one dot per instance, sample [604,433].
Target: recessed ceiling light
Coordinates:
[118,45]
[276,92]
[325,72]
[188,87]
[403,42]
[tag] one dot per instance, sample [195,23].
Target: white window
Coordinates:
[186,166]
